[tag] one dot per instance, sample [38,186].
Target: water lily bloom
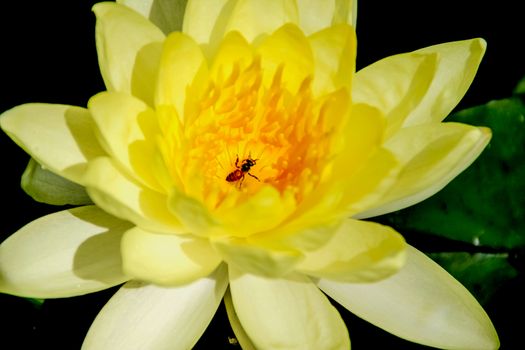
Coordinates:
[233,159]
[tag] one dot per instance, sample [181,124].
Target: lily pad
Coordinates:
[482,274]
[485,205]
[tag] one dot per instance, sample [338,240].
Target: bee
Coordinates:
[243,169]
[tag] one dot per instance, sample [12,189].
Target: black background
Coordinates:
[48,55]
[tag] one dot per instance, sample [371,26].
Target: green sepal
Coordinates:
[47,187]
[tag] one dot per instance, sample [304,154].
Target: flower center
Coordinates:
[248,130]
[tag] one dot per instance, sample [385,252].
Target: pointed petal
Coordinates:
[431,156]
[359,251]
[142,316]
[202,18]
[182,63]
[315,15]
[235,323]
[59,137]
[121,35]
[287,313]
[422,86]
[246,17]
[289,47]
[165,14]
[125,199]
[421,303]
[72,252]
[127,129]
[334,51]
[166,259]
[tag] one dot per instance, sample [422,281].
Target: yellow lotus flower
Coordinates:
[241,152]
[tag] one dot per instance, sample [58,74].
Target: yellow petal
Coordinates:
[143,316]
[368,185]
[334,51]
[359,251]
[127,52]
[233,49]
[289,47]
[315,15]
[125,199]
[72,252]
[246,17]
[182,62]
[395,85]
[59,137]
[127,129]
[286,313]
[256,258]
[165,14]
[422,86]
[166,259]
[431,156]
[202,19]
[421,303]
[263,211]
[192,213]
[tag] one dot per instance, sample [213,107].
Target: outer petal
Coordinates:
[315,15]
[127,129]
[289,313]
[122,37]
[432,155]
[240,333]
[422,86]
[125,199]
[165,14]
[166,259]
[421,303]
[358,252]
[72,252]
[150,317]
[59,137]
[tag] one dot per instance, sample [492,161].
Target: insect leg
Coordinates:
[255,177]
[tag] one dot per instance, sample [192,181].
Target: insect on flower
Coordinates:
[242,170]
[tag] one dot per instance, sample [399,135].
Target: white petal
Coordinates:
[286,313]
[167,259]
[421,303]
[143,317]
[72,252]
[59,137]
[240,333]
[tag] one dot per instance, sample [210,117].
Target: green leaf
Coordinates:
[165,14]
[47,187]
[520,88]
[485,204]
[482,274]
